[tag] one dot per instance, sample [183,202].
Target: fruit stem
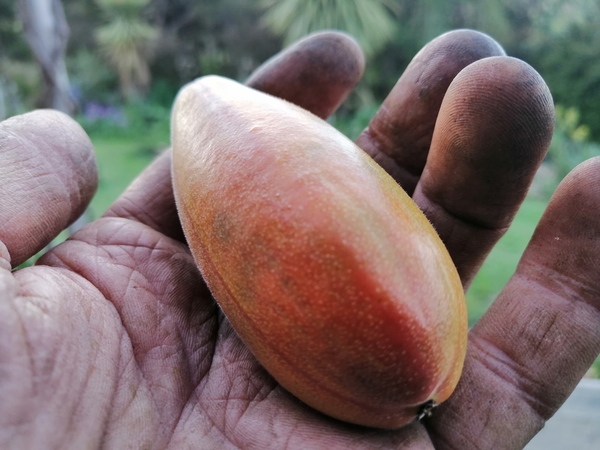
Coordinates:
[425,410]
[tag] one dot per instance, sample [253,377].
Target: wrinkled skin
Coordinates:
[112,339]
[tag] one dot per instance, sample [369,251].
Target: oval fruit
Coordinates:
[327,270]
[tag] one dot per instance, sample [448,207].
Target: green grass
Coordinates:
[123,151]
[120,159]
[119,162]
[503,259]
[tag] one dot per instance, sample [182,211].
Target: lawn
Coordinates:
[119,162]
[502,261]
[121,157]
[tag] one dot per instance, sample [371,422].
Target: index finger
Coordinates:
[48,176]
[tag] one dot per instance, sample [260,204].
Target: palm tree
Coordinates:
[126,41]
[369,21]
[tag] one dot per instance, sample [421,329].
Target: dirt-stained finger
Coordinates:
[539,337]
[316,73]
[399,135]
[493,131]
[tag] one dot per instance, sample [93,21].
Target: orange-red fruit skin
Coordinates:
[326,269]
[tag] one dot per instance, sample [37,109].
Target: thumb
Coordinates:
[48,176]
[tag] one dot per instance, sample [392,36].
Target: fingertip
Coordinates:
[580,190]
[495,126]
[506,95]
[465,44]
[493,130]
[317,73]
[567,238]
[48,176]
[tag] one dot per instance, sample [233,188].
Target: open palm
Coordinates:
[113,340]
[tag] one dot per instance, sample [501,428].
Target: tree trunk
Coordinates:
[47,33]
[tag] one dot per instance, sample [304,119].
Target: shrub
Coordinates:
[570,145]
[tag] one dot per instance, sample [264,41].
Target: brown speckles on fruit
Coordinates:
[221,227]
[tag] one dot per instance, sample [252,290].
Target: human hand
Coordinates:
[113,340]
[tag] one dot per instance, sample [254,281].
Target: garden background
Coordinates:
[116,65]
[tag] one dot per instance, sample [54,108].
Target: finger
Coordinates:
[399,135]
[317,73]
[48,176]
[493,130]
[542,333]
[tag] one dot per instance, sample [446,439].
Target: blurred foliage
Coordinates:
[20,81]
[570,146]
[170,42]
[25,77]
[149,48]
[135,119]
[352,124]
[200,38]
[123,8]
[12,40]
[561,41]
[91,78]
[126,41]
[371,22]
